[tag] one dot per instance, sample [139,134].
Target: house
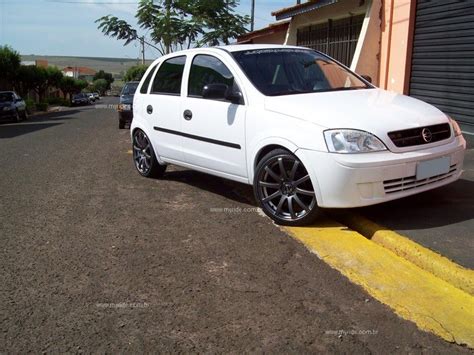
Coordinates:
[422,48]
[83,73]
[275,33]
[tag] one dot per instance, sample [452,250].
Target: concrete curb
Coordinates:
[424,258]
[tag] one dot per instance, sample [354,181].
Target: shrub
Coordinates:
[30,105]
[57,101]
[42,106]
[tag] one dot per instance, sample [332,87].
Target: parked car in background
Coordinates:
[80,99]
[125,107]
[303,129]
[91,97]
[96,96]
[12,107]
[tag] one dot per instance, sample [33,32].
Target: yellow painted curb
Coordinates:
[426,259]
[413,293]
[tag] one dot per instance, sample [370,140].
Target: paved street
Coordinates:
[96,258]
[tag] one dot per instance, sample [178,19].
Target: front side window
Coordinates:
[206,70]
[146,82]
[295,71]
[169,77]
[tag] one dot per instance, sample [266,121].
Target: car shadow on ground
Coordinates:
[34,123]
[19,129]
[232,190]
[436,208]
[441,207]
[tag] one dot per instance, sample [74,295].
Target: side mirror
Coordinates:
[221,92]
[214,91]
[367,78]
[234,97]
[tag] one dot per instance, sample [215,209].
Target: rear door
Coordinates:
[213,130]
[162,105]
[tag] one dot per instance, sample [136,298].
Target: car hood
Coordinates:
[5,104]
[373,110]
[126,99]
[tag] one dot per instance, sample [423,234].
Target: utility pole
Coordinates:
[142,43]
[252,16]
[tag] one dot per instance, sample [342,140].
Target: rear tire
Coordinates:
[283,188]
[144,157]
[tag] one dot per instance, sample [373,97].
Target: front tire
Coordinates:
[144,157]
[17,116]
[283,188]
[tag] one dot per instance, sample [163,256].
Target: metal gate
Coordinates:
[337,38]
[442,71]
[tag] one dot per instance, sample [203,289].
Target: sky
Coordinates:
[66,27]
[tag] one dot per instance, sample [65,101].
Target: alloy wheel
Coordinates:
[142,153]
[285,189]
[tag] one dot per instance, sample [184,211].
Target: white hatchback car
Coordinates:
[301,128]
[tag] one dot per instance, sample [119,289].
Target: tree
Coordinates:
[9,63]
[106,76]
[178,24]
[135,73]
[29,77]
[100,85]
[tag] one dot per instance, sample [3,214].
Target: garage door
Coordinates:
[442,70]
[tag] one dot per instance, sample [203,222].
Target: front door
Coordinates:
[213,130]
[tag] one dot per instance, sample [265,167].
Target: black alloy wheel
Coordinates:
[284,190]
[144,156]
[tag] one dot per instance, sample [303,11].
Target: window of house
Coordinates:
[169,77]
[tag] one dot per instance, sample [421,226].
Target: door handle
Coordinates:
[149,109]
[187,114]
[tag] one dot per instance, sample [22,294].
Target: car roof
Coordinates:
[227,48]
[7,92]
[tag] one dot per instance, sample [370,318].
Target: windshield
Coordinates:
[129,89]
[295,71]
[6,97]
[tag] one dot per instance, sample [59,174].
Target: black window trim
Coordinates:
[153,73]
[202,98]
[158,69]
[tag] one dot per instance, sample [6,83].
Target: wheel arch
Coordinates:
[268,145]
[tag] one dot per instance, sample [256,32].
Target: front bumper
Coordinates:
[355,180]
[7,115]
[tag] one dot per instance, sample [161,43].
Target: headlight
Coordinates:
[352,141]
[7,108]
[456,128]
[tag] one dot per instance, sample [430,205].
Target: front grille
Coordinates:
[421,135]
[408,183]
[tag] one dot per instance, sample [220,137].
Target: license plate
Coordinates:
[430,168]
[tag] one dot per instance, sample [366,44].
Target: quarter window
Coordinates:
[207,70]
[146,82]
[169,77]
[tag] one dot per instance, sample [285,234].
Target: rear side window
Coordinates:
[146,82]
[169,77]
[207,70]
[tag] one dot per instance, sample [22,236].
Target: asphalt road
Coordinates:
[96,258]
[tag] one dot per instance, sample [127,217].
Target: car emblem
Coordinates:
[426,135]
